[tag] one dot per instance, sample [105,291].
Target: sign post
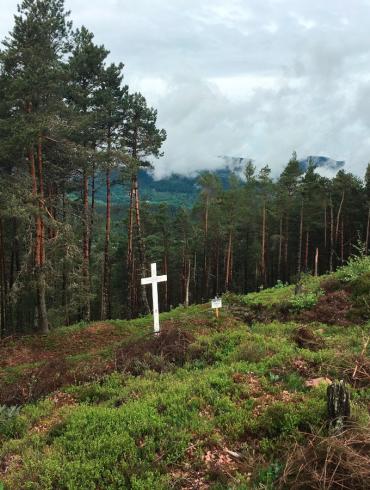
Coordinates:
[216,305]
[154,280]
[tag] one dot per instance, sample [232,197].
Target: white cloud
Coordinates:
[256,79]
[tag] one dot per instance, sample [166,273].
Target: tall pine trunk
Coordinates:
[93,192]
[367,232]
[130,255]
[316,262]
[140,242]
[14,256]
[105,299]
[195,282]
[64,267]
[338,218]
[217,267]
[331,236]
[263,245]
[299,257]
[286,247]
[280,246]
[40,259]
[2,283]
[325,227]
[85,248]
[228,262]
[187,283]
[306,251]
[205,254]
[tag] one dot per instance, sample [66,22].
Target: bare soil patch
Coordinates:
[36,348]
[333,309]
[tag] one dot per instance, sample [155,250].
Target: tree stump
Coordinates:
[338,402]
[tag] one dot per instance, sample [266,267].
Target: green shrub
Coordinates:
[356,267]
[294,382]
[305,301]
[217,347]
[360,286]
[287,419]
[280,284]
[12,425]
[251,351]
[267,476]
[360,294]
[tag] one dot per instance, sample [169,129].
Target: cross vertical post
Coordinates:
[153,268]
[154,280]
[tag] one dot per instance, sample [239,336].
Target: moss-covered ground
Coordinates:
[226,417]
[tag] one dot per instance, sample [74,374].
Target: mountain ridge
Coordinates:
[181,190]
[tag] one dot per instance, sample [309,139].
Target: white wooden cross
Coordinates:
[154,280]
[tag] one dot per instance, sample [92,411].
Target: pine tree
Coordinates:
[210,186]
[85,76]
[32,66]
[288,182]
[112,100]
[140,139]
[264,183]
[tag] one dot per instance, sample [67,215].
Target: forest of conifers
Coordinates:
[66,118]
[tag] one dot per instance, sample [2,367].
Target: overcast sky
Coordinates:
[247,78]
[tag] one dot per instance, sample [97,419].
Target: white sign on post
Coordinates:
[217,302]
[154,280]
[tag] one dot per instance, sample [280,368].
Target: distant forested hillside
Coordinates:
[180,190]
[175,190]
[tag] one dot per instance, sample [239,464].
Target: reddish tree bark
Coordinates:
[130,255]
[228,262]
[134,213]
[141,247]
[40,260]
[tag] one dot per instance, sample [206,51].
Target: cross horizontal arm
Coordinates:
[152,280]
[161,278]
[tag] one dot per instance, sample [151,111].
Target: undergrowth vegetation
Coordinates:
[222,404]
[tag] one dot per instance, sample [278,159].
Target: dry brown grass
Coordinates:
[334,462]
[157,352]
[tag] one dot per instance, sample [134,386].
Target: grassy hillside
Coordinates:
[222,404]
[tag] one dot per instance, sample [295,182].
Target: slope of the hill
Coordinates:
[233,403]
